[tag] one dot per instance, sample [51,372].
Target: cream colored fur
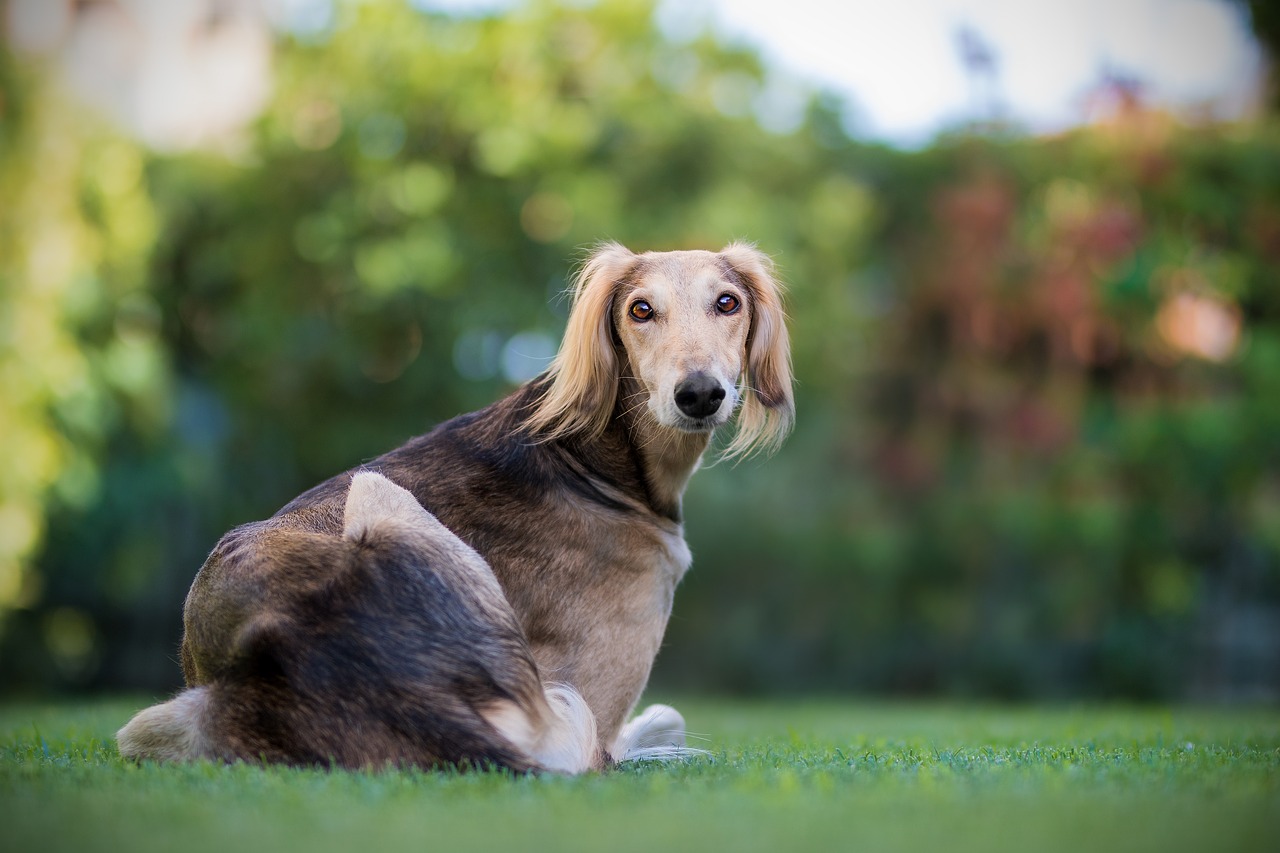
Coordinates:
[755,362]
[170,731]
[656,733]
[564,740]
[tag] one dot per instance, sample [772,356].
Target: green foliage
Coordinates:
[81,356]
[1059,471]
[804,776]
[1037,395]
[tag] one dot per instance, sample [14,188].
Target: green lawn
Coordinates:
[789,775]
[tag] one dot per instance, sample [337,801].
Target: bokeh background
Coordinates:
[246,245]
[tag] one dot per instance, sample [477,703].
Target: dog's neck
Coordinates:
[666,457]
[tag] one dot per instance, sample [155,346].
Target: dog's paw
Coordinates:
[655,734]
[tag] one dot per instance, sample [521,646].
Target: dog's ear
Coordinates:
[768,407]
[584,375]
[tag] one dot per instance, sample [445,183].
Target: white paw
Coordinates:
[657,732]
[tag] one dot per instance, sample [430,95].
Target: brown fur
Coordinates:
[305,643]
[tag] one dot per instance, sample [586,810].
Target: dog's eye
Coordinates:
[641,311]
[727,303]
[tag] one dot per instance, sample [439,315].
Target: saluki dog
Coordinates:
[492,593]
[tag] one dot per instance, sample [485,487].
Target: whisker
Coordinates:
[629,409]
[661,733]
[662,753]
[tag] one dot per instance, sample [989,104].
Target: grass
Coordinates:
[797,775]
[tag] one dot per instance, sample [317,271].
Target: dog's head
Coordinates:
[700,333]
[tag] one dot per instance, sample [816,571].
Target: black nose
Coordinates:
[699,395]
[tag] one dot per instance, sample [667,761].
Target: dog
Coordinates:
[493,593]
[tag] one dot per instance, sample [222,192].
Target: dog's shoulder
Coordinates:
[488,464]
[491,455]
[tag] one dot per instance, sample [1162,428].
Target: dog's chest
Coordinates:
[642,576]
[596,619]
[626,556]
[584,569]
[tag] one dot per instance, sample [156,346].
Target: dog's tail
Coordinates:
[391,643]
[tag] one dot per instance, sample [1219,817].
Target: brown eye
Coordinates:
[641,311]
[727,303]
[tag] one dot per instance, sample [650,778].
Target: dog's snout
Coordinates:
[699,396]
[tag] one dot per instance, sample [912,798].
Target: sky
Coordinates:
[899,65]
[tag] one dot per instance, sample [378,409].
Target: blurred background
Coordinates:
[247,244]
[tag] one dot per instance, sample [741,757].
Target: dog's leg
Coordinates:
[391,644]
[551,724]
[656,733]
[170,731]
[560,737]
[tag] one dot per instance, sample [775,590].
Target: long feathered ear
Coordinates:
[584,374]
[768,407]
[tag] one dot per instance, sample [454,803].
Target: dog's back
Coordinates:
[390,643]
